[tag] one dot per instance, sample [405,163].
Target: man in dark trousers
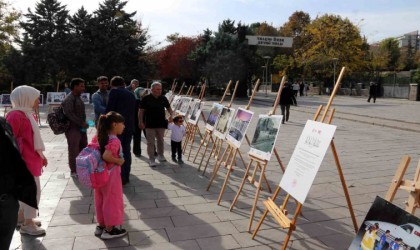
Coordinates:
[286,99]
[74,109]
[372,92]
[152,118]
[123,102]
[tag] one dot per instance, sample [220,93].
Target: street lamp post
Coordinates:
[266,73]
[335,60]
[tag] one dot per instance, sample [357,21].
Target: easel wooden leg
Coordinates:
[192,141]
[205,150]
[292,227]
[343,184]
[201,144]
[257,195]
[217,166]
[265,212]
[229,170]
[242,185]
[279,160]
[208,159]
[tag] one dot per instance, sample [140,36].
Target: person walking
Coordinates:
[286,99]
[178,132]
[28,136]
[152,110]
[139,92]
[100,97]
[74,109]
[123,102]
[16,183]
[109,205]
[373,88]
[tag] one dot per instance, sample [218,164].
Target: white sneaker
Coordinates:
[114,233]
[99,230]
[36,221]
[32,229]
[152,163]
[161,158]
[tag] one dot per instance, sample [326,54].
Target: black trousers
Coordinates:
[9,207]
[285,111]
[176,147]
[125,139]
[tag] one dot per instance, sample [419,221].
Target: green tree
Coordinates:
[390,47]
[9,20]
[328,37]
[45,42]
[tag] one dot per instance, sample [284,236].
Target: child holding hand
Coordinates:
[109,204]
[178,132]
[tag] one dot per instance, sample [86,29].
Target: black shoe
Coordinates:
[156,153]
[114,233]
[174,159]
[180,161]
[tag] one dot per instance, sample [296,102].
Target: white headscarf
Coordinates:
[23,99]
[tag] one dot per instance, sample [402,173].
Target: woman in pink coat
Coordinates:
[26,132]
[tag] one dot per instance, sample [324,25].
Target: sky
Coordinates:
[377,19]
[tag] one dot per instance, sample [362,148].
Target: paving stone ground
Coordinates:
[169,208]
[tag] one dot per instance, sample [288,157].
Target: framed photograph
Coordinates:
[41,100]
[185,104]
[387,226]
[238,126]
[85,98]
[190,108]
[223,122]
[265,136]
[175,101]
[195,112]
[5,100]
[215,111]
[55,97]
[169,96]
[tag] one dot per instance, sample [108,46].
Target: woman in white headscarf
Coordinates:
[26,132]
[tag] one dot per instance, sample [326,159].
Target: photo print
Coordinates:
[238,126]
[176,99]
[195,112]
[185,104]
[265,136]
[223,122]
[215,111]
[387,226]
[5,100]
[85,98]
[55,97]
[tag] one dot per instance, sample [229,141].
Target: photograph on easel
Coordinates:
[238,126]
[223,122]
[85,98]
[387,226]
[195,112]
[55,97]
[265,136]
[175,101]
[5,100]
[185,104]
[190,109]
[215,111]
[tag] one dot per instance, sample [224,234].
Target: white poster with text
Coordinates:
[306,159]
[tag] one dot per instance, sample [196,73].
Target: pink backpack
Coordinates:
[91,168]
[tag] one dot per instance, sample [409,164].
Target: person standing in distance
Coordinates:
[74,109]
[133,85]
[152,109]
[100,97]
[123,102]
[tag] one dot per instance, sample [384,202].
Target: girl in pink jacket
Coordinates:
[26,132]
[109,203]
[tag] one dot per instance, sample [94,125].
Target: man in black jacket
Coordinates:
[286,99]
[123,102]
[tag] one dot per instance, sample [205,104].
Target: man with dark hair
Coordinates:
[133,85]
[122,101]
[74,109]
[100,97]
[152,118]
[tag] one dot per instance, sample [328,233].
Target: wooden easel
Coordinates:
[218,142]
[208,135]
[280,214]
[182,87]
[261,165]
[411,186]
[193,129]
